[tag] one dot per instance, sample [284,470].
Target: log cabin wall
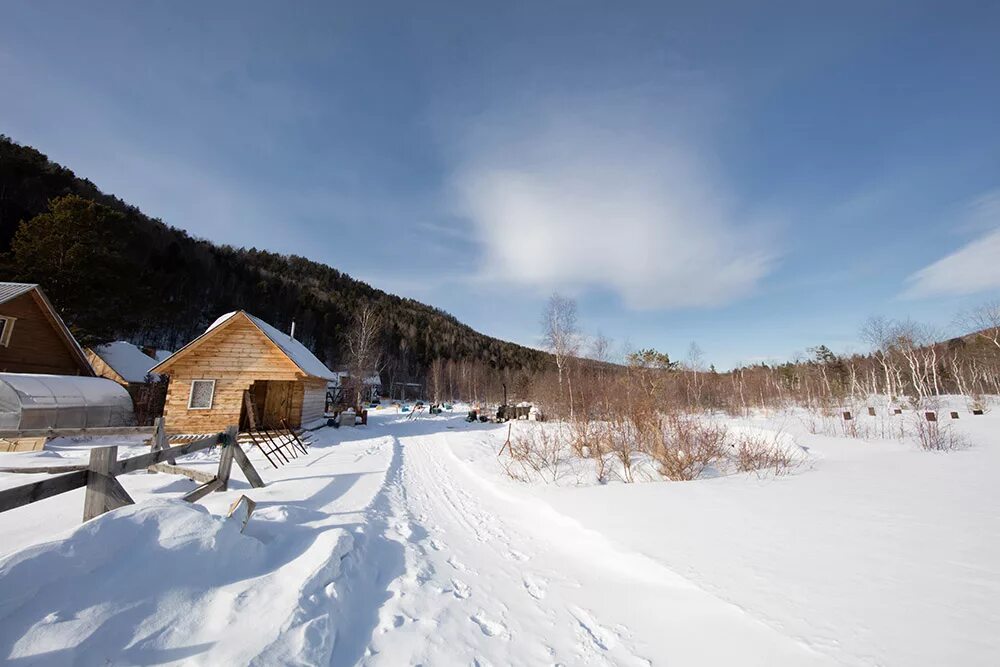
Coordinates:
[235,358]
[36,343]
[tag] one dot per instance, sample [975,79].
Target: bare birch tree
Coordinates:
[984,321]
[561,335]
[364,348]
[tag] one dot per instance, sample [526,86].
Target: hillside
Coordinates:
[138,278]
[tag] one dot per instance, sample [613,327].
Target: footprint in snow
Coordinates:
[514,554]
[436,545]
[489,627]
[598,635]
[458,565]
[460,589]
[534,590]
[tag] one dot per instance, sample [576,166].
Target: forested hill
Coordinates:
[120,274]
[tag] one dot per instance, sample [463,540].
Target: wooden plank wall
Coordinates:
[234,358]
[313,401]
[36,346]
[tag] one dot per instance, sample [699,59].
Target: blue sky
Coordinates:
[756,179]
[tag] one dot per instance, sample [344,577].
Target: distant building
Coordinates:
[33,338]
[122,362]
[372,383]
[129,365]
[241,359]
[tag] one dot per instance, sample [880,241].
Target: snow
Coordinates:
[296,351]
[402,542]
[371,380]
[127,360]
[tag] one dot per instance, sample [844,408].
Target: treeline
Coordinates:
[115,273]
[908,366]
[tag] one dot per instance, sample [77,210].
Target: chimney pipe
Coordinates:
[292,332]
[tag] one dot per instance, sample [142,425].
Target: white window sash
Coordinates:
[211,396]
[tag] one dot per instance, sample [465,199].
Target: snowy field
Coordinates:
[404,543]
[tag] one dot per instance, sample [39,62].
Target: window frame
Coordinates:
[211,397]
[8,329]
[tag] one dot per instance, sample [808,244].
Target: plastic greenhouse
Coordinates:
[62,401]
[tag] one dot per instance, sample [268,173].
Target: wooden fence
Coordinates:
[105,493]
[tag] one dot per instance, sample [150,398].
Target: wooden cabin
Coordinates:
[122,362]
[33,338]
[241,354]
[129,365]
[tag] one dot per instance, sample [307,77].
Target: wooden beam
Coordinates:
[145,460]
[159,441]
[46,488]
[52,470]
[194,475]
[203,490]
[76,432]
[243,461]
[229,446]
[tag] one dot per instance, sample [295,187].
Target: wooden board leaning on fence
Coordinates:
[105,492]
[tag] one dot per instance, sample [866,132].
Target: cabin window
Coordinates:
[6,329]
[202,393]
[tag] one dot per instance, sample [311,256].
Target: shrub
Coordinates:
[688,447]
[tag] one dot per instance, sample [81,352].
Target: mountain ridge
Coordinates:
[178,283]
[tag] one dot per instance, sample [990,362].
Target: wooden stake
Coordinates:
[104,493]
[228,441]
[506,444]
[247,467]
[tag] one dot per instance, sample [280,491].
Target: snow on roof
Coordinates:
[295,350]
[161,355]
[9,291]
[370,380]
[126,359]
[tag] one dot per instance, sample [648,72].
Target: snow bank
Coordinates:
[112,590]
[168,582]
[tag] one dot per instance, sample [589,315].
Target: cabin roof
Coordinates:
[294,350]
[124,358]
[10,291]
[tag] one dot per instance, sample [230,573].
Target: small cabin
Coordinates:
[122,362]
[33,338]
[129,365]
[239,362]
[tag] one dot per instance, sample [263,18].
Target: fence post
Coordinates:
[104,493]
[229,446]
[159,441]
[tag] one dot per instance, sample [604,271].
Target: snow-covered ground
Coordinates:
[404,543]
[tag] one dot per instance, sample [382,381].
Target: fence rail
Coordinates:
[74,432]
[105,493]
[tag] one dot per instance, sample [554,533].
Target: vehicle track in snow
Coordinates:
[480,582]
[472,592]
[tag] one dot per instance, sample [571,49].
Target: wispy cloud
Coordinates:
[576,202]
[975,267]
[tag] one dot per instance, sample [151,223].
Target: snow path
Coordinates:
[457,574]
[404,543]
